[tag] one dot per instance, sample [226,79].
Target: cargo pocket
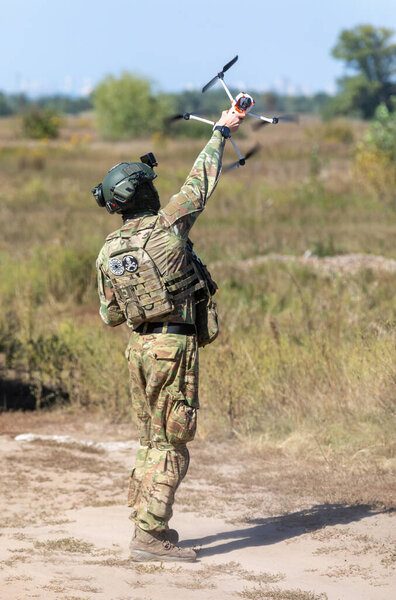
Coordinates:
[165,363]
[162,496]
[181,423]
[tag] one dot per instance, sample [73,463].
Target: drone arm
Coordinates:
[201,119]
[227,91]
[273,120]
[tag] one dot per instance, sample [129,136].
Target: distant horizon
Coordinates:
[49,48]
[76,96]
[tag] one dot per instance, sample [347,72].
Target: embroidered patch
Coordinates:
[116,266]
[130,263]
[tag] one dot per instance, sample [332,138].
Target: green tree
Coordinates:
[126,107]
[370,53]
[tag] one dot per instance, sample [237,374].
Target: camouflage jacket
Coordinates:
[169,237]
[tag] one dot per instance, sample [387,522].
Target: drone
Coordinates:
[242,104]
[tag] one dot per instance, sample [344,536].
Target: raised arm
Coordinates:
[184,207]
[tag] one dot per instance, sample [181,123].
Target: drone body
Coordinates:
[243,103]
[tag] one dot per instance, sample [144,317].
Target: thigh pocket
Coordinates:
[162,496]
[181,422]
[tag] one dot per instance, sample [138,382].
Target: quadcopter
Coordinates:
[242,104]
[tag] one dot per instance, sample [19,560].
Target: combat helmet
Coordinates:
[128,187]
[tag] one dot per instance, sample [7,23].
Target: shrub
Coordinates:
[338,131]
[41,123]
[375,156]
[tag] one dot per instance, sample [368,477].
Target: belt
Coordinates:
[180,328]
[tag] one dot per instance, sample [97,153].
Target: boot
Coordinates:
[171,535]
[167,534]
[152,545]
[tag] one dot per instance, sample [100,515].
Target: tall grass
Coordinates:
[300,353]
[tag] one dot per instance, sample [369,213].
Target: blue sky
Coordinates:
[51,46]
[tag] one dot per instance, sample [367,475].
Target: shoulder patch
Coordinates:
[130,263]
[116,266]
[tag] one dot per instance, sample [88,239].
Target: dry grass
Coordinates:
[69,544]
[260,593]
[305,359]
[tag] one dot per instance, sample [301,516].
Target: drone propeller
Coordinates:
[283,119]
[220,75]
[242,161]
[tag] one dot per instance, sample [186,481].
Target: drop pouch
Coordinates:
[206,322]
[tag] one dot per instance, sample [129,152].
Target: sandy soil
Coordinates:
[269,526]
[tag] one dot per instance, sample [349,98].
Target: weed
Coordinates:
[149,569]
[260,593]
[71,545]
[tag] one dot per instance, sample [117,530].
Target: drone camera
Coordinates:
[149,159]
[243,103]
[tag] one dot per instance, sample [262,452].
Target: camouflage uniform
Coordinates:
[163,366]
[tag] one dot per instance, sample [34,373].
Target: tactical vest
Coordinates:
[142,292]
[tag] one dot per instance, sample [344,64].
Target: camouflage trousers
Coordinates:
[164,387]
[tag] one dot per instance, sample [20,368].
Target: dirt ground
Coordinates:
[269,525]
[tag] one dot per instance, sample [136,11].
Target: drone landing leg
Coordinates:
[237,151]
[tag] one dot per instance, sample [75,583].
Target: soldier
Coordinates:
[149,277]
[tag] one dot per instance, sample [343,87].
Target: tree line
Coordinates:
[127,106]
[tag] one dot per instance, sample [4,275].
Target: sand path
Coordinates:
[264,531]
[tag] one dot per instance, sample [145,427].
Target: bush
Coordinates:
[126,107]
[41,123]
[382,133]
[336,131]
[375,156]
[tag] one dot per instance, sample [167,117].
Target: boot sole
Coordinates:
[142,556]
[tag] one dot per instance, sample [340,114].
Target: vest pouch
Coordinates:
[206,322]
